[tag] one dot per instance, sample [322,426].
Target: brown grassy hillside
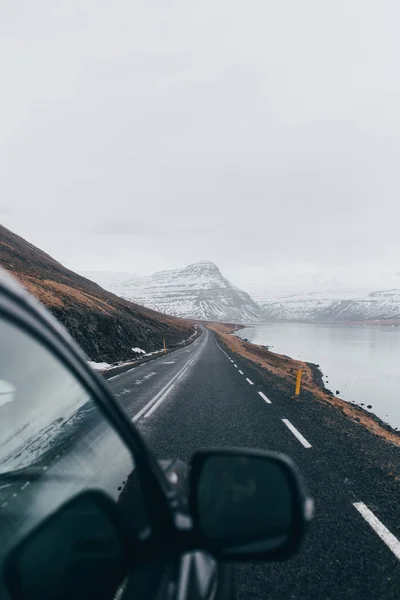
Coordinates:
[104,325]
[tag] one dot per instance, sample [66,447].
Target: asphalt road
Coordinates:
[203,396]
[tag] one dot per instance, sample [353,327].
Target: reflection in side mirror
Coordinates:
[79,552]
[247,503]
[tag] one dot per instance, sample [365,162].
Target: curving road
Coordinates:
[204,396]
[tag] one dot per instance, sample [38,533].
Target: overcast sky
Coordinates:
[144,135]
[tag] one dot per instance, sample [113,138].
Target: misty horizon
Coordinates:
[264,136]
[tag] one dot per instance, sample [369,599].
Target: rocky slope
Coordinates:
[106,327]
[198,291]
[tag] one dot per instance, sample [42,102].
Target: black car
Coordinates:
[86,511]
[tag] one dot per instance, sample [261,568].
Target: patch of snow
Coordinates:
[99,366]
[138,350]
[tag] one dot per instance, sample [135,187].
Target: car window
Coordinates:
[54,441]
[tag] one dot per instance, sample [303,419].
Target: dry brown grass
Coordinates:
[47,297]
[285,369]
[67,291]
[54,294]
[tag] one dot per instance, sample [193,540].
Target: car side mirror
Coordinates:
[247,504]
[81,551]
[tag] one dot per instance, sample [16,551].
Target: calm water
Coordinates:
[363,363]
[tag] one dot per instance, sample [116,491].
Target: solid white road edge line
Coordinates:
[157,404]
[297,434]
[390,540]
[264,397]
[164,389]
[249,381]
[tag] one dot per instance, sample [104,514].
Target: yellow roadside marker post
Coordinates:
[298,384]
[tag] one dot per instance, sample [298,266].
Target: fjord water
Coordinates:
[363,363]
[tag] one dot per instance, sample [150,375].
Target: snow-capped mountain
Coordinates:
[198,291]
[334,306]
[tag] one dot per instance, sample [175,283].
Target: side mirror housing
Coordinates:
[247,504]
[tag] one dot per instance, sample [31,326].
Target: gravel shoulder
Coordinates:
[281,373]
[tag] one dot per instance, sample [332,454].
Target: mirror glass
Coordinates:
[244,500]
[76,553]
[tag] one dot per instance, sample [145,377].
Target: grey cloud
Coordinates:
[244,132]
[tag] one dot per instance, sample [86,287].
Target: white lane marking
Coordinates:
[147,362]
[125,372]
[169,362]
[297,434]
[264,397]
[4,504]
[145,378]
[241,372]
[164,389]
[157,404]
[25,485]
[235,366]
[386,536]
[45,468]
[249,381]
[5,485]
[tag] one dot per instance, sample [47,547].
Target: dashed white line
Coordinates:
[386,536]
[241,372]
[264,397]
[25,485]
[249,381]
[297,434]
[235,366]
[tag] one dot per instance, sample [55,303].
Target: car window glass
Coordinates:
[54,440]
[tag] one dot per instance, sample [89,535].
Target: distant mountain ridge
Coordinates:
[345,306]
[201,291]
[198,291]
